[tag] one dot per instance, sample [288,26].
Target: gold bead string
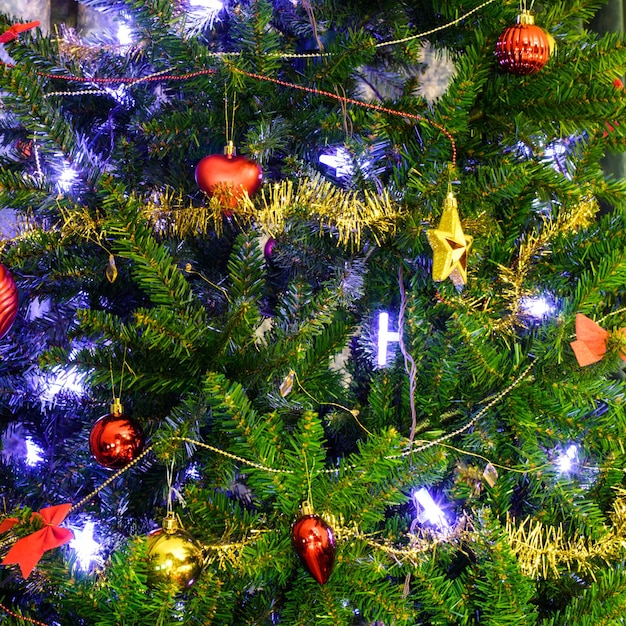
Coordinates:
[111,479]
[494,400]
[233,457]
[382,44]
[437,29]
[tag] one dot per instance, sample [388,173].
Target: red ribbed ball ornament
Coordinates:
[115,439]
[8,300]
[524,48]
[314,542]
[227,176]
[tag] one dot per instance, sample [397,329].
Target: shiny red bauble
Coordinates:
[8,301]
[524,48]
[314,543]
[227,177]
[115,440]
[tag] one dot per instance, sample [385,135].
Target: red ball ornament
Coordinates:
[115,439]
[524,48]
[227,176]
[314,543]
[8,301]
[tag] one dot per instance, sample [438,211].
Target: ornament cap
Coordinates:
[116,407]
[307,508]
[230,150]
[450,202]
[526,18]
[170,523]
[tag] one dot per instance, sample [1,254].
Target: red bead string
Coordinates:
[276,81]
[366,105]
[127,80]
[25,619]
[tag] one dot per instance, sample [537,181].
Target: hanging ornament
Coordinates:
[110,271]
[524,48]
[268,248]
[450,245]
[8,301]
[175,558]
[115,439]
[314,543]
[226,177]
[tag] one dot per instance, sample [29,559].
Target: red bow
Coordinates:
[13,31]
[591,339]
[28,550]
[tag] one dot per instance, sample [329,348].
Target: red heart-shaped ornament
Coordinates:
[227,177]
[314,543]
[8,301]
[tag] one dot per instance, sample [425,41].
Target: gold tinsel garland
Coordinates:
[345,214]
[536,245]
[542,550]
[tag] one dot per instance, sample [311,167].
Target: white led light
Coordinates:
[384,337]
[429,510]
[211,5]
[124,34]
[566,459]
[340,160]
[537,306]
[86,547]
[33,452]
[61,380]
[67,178]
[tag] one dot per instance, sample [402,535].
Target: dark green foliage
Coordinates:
[253,369]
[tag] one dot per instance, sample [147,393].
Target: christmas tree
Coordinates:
[313,313]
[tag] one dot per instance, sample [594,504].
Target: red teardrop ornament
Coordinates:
[314,543]
[524,48]
[227,177]
[115,440]
[8,301]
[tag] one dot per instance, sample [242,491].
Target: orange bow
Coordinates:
[591,340]
[27,551]
[13,31]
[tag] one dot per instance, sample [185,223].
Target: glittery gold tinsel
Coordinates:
[537,244]
[545,550]
[344,213]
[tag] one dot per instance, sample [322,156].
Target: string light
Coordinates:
[428,510]
[567,459]
[538,307]
[66,179]
[85,546]
[33,452]
[385,336]
[338,159]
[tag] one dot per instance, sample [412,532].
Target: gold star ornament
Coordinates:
[450,245]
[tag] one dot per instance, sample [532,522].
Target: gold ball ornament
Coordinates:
[175,558]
